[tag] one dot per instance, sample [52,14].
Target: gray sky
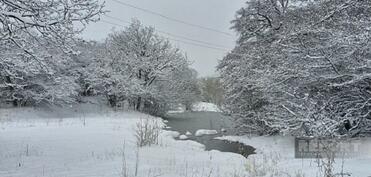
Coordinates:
[215,14]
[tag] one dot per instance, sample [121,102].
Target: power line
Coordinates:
[199,45]
[115,18]
[190,39]
[177,40]
[174,35]
[172,19]
[190,43]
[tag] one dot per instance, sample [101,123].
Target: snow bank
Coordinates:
[205,132]
[197,107]
[177,109]
[183,137]
[205,107]
[172,134]
[188,133]
[276,155]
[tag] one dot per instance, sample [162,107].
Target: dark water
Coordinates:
[193,121]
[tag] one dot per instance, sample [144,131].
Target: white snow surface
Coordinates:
[89,143]
[205,107]
[276,155]
[188,133]
[183,137]
[197,107]
[202,132]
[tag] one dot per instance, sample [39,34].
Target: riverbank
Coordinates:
[276,155]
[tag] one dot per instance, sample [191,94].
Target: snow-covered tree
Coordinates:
[184,86]
[37,38]
[212,90]
[23,81]
[300,67]
[139,65]
[87,67]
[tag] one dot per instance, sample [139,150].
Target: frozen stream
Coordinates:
[193,121]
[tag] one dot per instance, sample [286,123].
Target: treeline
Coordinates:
[42,61]
[212,90]
[301,67]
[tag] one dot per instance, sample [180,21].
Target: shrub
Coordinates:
[147,132]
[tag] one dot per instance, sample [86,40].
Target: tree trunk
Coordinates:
[9,81]
[139,101]
[112,99]
[188,107]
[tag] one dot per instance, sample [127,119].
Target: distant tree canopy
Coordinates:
[212,90]
[186,88]
[300,67]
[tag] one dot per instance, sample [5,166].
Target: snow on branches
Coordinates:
[144,69]
[300,67]
[53,20]
[37,38]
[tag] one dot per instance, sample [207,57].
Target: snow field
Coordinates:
[93,145]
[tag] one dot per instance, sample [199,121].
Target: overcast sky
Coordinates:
[215,14]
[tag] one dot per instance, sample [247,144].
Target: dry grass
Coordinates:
[147,132]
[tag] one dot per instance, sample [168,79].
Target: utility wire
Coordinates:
[174,35]
[227,51]
[177,40]
[115,18]
[172,19]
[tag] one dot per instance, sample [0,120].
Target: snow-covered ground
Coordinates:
[89,142]
[276,155]
[75,143]
[203,106]
[197,107]
[205,132]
